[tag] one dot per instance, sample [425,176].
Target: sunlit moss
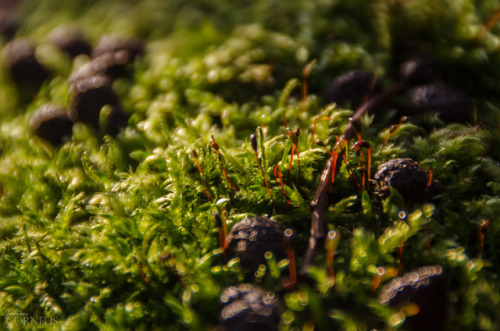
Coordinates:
[118,232]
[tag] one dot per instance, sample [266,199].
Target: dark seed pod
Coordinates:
[112,64]
[416,71]
[95,67]
[52,123]
[19,56]
[89,95]
[113,43]
[404,175]
[248,307]
[109,64]
[113,53]
[451,105]
[69,40]
[352,88]
[252,237]
[8,24]
[110,57]
[424,287]
[86,70]
[253,141]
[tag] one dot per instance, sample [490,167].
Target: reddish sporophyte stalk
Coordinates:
[294,137]
[215,147]
[288,237]
[339,147]
[429,182]
[253,141]
[359,146]
[481,232]
[402,216]
[400,255]
[201,174]
[315,122]
[143,275]
[427,231]
[279,179]
[332,154]
[489,24]
[331,244]
[222,229]
[395,128]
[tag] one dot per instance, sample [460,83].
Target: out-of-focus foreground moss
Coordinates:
[117,232]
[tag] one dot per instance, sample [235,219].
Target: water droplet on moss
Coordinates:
[129,307]
[396,319]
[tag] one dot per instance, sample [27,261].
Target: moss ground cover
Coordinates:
[117,231]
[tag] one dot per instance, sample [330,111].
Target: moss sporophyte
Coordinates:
[194,166]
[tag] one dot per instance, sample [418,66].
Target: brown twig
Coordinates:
[317,237]
[490,23]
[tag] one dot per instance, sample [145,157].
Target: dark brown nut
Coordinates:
[112,64]
[416,71]
[82,72]
[424,287]
[109,64]
[69,40]
[95,67]
[127,47]
[52,123]
[404,175]
[89,95]
[252,237]
[449,104]
[352,88]
[248,307]
[19,57]
[111,57]
[115,43]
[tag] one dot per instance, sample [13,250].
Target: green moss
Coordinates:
[118,232]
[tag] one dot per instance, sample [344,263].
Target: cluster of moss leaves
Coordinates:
[118,232]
